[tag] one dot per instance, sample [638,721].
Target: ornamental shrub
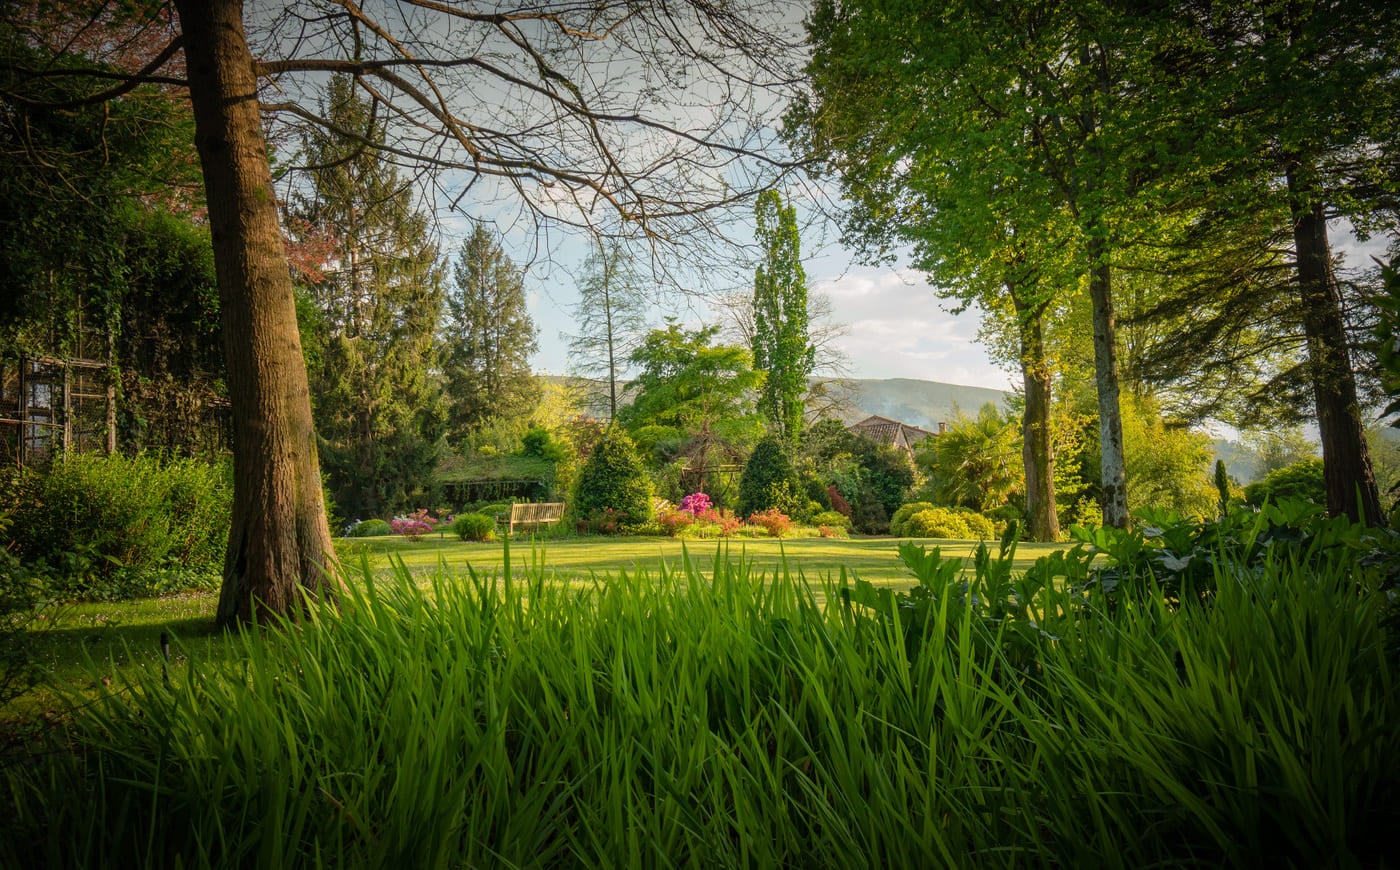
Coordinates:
[835,519]
[938,522]
[474,527]
[371,528]
[102,527]
[768,479]
[614,480]
[696,503]
[1301,480]
[415,525]
[901,517]
[773,521]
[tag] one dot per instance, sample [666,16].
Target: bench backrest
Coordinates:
[535,514]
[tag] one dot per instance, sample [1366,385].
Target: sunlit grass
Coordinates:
[733,716]
[87,646]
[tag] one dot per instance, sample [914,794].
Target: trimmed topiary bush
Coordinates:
[938,522]
[474,527]
[613,484]
[373,528]
[901,516]
[834,519]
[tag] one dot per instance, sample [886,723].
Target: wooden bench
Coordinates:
[534,515]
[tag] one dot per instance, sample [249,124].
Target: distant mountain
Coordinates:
[919,403]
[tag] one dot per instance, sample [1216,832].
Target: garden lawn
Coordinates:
[579,559]
[84,647]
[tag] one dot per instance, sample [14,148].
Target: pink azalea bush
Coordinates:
[415,525]
[696,503]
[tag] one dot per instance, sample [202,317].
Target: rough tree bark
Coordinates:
[1346,462]
[1037,451]
[280,545]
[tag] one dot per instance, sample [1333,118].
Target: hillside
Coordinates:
[919,403]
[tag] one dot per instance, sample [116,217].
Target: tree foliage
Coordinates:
[488,337]
[379,413]
[975,462]
[688,389]
[768,480]
[781,345]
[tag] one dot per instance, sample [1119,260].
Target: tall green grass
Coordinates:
[734,718]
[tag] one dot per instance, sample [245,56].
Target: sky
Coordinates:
[896,325]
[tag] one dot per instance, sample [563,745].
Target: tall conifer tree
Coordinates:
[378,412]
[488,337]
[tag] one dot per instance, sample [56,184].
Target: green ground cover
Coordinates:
[79,646]
[1216,696]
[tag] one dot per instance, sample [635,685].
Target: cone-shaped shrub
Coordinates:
[613,479]
[768,480]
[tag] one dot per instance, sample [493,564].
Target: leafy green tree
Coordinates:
[1169,466]
[611,317]
[613,479]
[781,345]
[1036,147]
[1299,102]
[691,391]
[487,337]
[379,413]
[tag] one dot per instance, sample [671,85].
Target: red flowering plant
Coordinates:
[773,520]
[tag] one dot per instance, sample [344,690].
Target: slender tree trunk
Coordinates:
[1346,462]
[1111,464]
[279,545]
[1037,451]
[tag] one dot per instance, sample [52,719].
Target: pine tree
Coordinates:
[378,411]
[488,337]
[781,346]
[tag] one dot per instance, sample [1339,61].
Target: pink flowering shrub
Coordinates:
[415,525]
[696,503]
[675,520]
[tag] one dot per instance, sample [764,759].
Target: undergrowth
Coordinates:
[731,718]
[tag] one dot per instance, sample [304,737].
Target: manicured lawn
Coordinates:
[576,559]
[80,645]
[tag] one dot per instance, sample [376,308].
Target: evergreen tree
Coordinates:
[488,337]
[378,412]
[611,317]
[781,345]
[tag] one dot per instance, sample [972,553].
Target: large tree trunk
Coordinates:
[279,546]
[1346,463]
[1111,465]
[1037,451]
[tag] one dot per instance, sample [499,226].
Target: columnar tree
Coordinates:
[488,337]
[781,346]
[611,317]
[378,411]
